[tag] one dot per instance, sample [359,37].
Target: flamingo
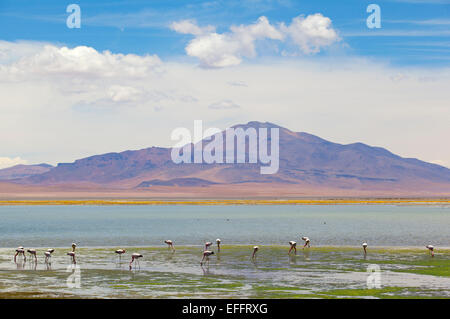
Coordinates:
[206,255]
[32,252]
[255,249]
[431,249]
[170,244]
[20,251]
[306,239]
[120,252]
[207,245]
[135,257]
[47,254]
[365,246]
[72,253]
[218,241]
[293,246]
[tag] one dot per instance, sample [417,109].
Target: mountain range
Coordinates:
[308,166]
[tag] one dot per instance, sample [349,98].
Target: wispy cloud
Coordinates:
[424,1]
[397,33]
[428,22]
[224,105]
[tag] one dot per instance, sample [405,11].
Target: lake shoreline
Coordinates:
[213,202]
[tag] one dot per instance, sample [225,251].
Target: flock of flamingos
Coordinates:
[206,252]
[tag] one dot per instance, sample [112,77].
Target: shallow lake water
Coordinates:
[334,266]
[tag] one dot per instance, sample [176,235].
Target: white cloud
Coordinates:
[50,60]
[217,50]
[237,83]
[191,27]
[225,49]
[119,93]
[6,162]
[224,105]
[312,33]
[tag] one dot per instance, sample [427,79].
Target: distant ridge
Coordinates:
[306,162]
[22,171]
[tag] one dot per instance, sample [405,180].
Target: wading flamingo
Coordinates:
[365,247]
[72,253]
[255,249]
[218,241]
[120,252]
[170,244]
[293,246]
[47,254]
[135,257]
[207,245]
[206,255]
[32,252]
[20,251]
[306,239]
[431,249]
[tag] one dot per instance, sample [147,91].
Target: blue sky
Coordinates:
[136,70]
[413,32]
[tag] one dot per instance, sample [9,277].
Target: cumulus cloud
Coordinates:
[224,105]
[226,49]
[50,60]
[311,33]
[89,78]
[217,50]
[6,162]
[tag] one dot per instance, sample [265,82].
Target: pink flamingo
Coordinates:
[20,251]
[306,239]
[365,246]
[293,246]
[170,244]
[47,254]
[207,245]
[255,249]
[135,257]
[120,252]
[431,249]
[206,255]
[32,252]
[72,253]
[218,241]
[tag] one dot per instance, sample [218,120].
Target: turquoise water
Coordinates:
[318,272]
[58,226]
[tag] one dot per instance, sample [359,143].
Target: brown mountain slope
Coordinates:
[306,162]
[22,171]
